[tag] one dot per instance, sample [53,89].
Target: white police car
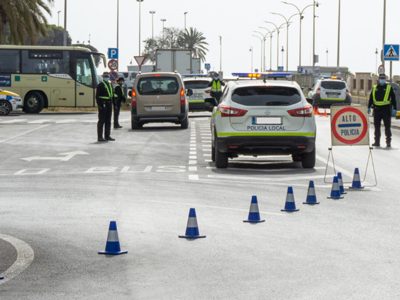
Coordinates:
[330,90]
[9,102]
[262,117]
[198,83]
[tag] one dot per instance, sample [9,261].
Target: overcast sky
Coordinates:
[235,21]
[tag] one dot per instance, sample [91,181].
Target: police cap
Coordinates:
[106,74]
[382,76]
[121,79]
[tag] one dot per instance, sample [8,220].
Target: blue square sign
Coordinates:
[391,52]
[112,53]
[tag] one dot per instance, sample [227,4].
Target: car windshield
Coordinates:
[333,85]
[196,84]
[266,95]
[158,86]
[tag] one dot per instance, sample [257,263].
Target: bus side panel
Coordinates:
[84,95]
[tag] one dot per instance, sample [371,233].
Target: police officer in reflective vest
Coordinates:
[216,90]
[104,99]
[118,98]
[383,101]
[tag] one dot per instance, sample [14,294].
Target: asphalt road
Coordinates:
[61,188]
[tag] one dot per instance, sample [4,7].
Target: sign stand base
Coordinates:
[366,169]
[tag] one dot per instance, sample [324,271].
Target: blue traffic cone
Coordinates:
[311,197]
[1,277]
[254,214]
[290,205]
[112,245]
[335,193]
[340,180]
[192,230]
[356,180]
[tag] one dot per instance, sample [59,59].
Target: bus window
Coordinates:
[41,62]
[9,61]
[84,72]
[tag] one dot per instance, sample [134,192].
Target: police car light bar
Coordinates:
[196,75]
[331,77]
[263,75]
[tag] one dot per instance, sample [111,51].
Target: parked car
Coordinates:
[199,85]
[330,90]
[262,117]
[9,102]
[159,97]
[129,78]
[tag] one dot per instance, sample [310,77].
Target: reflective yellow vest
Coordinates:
[109,92]
[122,91]
[216,86]
[386,100]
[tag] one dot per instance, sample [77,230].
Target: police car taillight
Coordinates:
[227,111]
[133,102]
[301,112]
[183,99]
[347,92]
[207,91]
[318,91]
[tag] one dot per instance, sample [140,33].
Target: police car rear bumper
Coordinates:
[269,145]
[317,101]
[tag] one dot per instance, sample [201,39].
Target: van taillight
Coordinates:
[318,91]
[227,111]
[133,103]
[183,98]
[305,111]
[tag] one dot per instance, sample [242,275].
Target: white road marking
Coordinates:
[13,121]
[68,156]
[192,168]
[18,135]
[25,256]
[39,121]
[193,177]
[66,121]
[269,179]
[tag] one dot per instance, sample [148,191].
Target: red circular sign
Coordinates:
[113,64]
[113,76]
[364,124]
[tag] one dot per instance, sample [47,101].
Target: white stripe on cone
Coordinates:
[253,207]
[112,236]
[192,222]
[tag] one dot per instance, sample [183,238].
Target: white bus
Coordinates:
[47,76]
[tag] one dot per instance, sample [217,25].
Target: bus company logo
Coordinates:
[44,78]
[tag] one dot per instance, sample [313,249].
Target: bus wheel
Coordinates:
[5,108]
[34,103]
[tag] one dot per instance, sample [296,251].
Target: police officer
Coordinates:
[383,101]
[104,98]
[118,98]
[216,90]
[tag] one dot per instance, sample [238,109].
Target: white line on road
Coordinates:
[18,135]
[25,256]
[14,121]
[193,177]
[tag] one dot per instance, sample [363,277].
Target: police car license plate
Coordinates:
[333,95]
[267,120]
[157,108]
[196,97]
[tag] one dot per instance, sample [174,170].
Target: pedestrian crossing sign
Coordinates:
[391,52]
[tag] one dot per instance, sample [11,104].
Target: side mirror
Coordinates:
[189,92]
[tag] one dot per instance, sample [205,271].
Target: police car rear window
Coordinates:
[158,86]
[196,84]
[266,95]
[333,85]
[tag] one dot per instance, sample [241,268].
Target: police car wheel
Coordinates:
[308,160]
[5,108]
[212,153]
[221,159]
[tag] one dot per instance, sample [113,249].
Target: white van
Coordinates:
[129,77]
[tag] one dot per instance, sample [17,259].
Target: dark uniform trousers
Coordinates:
[105,111]
[382,113]
[117,108]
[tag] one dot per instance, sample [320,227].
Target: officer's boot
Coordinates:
[376,144]
[388,145]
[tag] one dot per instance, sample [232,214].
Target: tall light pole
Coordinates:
[251,50]
[376,60]
[326,56]
[65,24]
[338,39]
[384,31]
[220,54]
[313,63]
[184,14]
[287,37]
[264,38]
[282,50]
[301,18]
[152,24]
[261,40]
[163,20]
[270,46]
[117,26]
[277,41]
[59,18]
[140,2]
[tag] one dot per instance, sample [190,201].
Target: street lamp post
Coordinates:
[376,60]
[261,40]
[326,56]
[338,39]
[270,46]
[251,50]
[152,24]
[384,31]
[140,2]
[184,14]
[282,50]
[301,18]
[220,54]
[287,37]
[163,20]
[65,24]
[277,41]
[59,18]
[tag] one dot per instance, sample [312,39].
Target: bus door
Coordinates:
[85,83]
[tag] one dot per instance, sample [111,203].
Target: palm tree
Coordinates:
[23,18]
[194,40]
